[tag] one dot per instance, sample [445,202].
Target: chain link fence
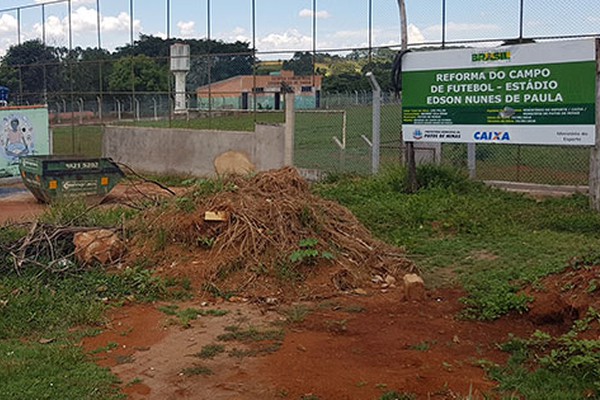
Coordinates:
[87,85]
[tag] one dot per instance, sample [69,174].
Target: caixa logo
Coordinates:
[491,136]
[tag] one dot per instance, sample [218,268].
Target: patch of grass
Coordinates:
[38,303]
[296,313]
[104,349]
[59,370]
[451,219]
[566,367]
[210,351]
[84,140]
[250,334]
[76,212]
[134,381]
[310,397]
[256,350]
[422,346]
[393,395]
[186,316]
[197,370]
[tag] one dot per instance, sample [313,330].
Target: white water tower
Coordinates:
[180,66]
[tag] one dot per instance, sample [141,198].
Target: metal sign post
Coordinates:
[594,184]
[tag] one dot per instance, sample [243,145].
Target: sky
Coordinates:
[284,26]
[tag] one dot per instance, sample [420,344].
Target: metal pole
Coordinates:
[314,40]
[443,24]
[100,62]
[208,27]
[168,19]
[131,22]
[594,182]
[44,23]
[18,25]
[70,26]
[370,31]
[69,3]
[376,139]
[521,21]
[98,24]
[254,59]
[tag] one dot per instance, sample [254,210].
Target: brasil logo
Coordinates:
[491,56]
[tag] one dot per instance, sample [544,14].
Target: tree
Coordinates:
[90,69]
[301,63]
[139,73]
[31,70]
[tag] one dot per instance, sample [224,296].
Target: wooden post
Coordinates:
[594,184]
[290,126]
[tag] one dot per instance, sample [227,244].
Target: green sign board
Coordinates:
[23,132]
[540,93]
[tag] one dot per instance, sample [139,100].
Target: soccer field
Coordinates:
[315,147]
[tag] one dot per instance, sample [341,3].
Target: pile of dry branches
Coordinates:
[45,246]
[269,215]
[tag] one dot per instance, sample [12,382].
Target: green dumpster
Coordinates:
[56,177]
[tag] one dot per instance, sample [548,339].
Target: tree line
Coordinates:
[37,73]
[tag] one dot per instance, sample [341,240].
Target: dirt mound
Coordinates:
[563,298]
[264,235]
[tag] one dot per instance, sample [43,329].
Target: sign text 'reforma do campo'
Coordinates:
[541,93]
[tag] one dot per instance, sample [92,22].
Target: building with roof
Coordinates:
[237,93]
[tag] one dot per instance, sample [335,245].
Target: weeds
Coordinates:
[251,334]
[197,370]
[397,396]
[567,365]
[451,217]
[186,316]
[422,346]
[308,252]
[210,351]
[297,313]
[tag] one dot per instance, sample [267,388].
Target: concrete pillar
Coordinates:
[290,127]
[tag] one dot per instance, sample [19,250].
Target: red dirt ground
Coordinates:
[349,347]
[21,206]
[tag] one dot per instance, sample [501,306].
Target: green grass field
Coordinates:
[493,244]
[316,149]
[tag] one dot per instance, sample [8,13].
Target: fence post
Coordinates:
[472,160]
[376,122]
[290,126]
[594,184]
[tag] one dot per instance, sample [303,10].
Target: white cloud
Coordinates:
[291,39]
[84,19]
[54,27]
[8,23]
[120,23]
[306,13]
[186,28]
[414,34]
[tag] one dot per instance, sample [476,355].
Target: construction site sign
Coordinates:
[537,93]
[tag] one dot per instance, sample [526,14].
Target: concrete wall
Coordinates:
[188,151]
